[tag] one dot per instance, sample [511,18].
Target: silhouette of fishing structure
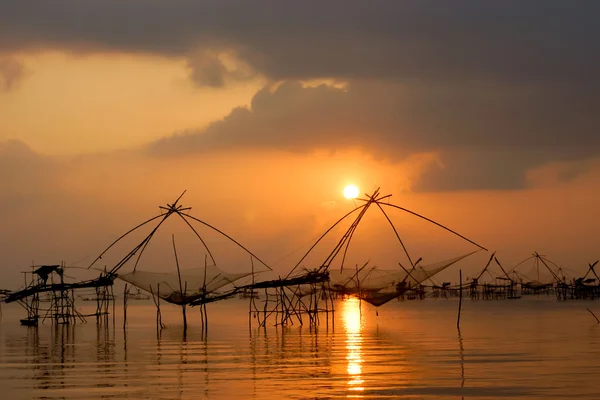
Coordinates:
[302,293]
[586,287]
[541,277]
[50,280]
[544,277]
[372,284]
[493,282]
[194,287]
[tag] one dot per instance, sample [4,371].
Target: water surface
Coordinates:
[515,349]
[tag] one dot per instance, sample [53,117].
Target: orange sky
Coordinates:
[264,124]
[70,104]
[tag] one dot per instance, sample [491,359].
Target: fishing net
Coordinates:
[377,286]
[196,283]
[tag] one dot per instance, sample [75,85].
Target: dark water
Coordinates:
[516,349]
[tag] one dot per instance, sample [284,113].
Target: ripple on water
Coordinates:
[412,350]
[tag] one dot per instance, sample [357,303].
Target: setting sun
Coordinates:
[350,192]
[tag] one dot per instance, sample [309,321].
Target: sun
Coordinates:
[350,192]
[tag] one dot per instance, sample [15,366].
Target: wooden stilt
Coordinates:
[459,299]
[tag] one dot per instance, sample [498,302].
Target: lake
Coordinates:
[511,349]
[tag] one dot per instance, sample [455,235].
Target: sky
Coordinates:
[480,115]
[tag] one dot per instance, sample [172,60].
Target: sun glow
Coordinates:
[350,192]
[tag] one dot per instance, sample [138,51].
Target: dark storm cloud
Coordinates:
[414,117]
[510,40]
[487,137]
[496,88]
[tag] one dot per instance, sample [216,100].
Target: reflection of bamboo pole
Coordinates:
[462,360]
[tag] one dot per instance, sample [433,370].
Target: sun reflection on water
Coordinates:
[353,326]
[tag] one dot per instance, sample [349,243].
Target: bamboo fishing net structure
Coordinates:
[493,282]
[535,275]
[197,286]
[311,292]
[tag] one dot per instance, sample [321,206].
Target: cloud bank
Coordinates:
[484,139]
[466,40]
[494,89]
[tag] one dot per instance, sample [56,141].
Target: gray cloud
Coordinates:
[487,137]
[12,72]
[510,41]
[209,69]
[495,87]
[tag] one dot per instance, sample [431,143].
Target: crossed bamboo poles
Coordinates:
[344,243]
[166,212]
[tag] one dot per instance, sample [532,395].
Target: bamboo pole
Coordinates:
[205,318]
[202,316]
[111,298]
[125,307]
[223,234]
[204,311]
[251,296]
[459,300]
[430,220]
[180,286]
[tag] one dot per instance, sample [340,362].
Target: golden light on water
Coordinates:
[353,326]
[351,192]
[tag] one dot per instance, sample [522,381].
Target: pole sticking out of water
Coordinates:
[180,287]
[156,299]
[459,299]
[124,307]
[591,312]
